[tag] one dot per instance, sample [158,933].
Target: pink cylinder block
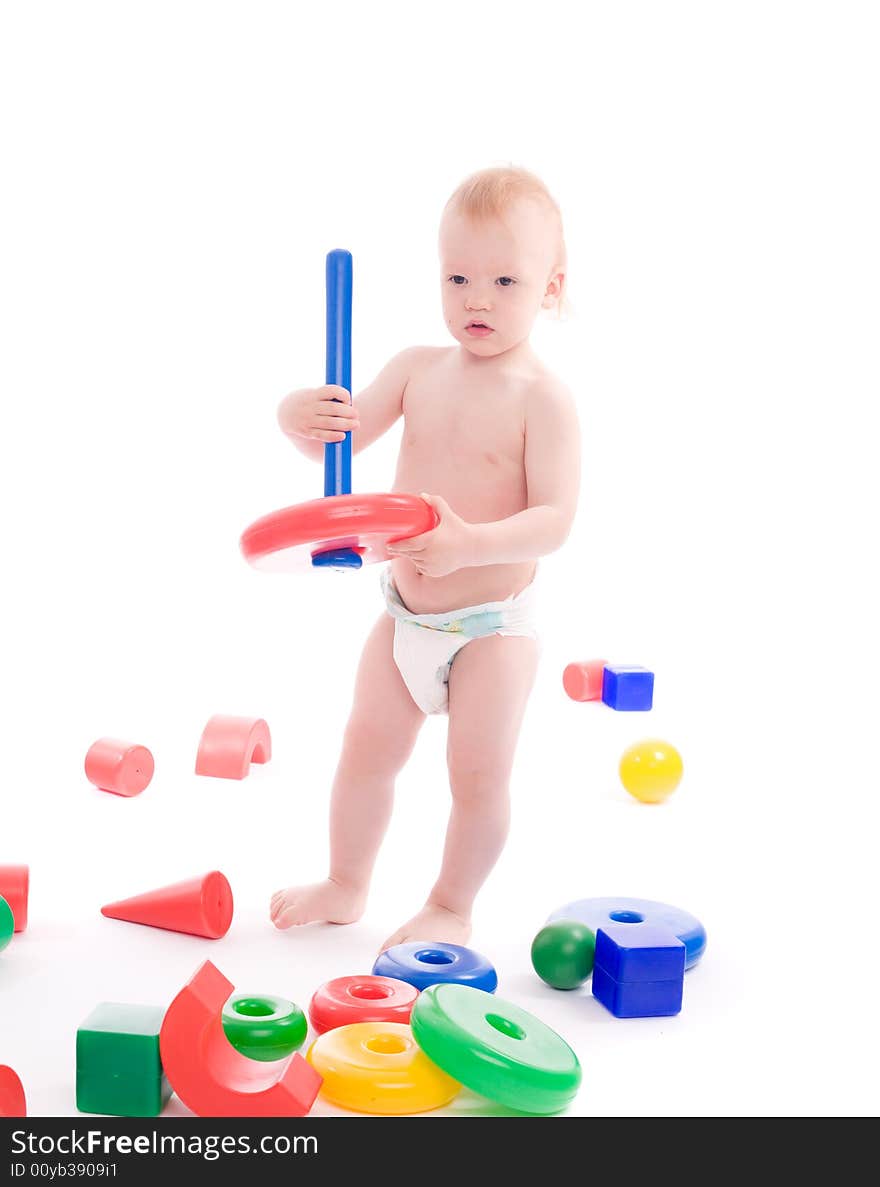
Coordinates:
[583,681]
[119,767]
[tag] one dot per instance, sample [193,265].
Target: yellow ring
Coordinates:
[377,1067]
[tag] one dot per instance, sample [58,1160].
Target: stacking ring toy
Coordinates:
[264,1027]
[596,912]
[424,964]
[376,1067]
[361,999]
[342,530]
[7,923]
[496,1048]
[319,531]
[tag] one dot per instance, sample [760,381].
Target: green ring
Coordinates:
[495,1048]
[262,1026]
[7,923]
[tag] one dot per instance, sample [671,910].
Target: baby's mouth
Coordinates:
[478,329]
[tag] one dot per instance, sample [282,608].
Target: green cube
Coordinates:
[118,1069]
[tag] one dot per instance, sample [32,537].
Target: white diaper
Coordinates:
[426,644]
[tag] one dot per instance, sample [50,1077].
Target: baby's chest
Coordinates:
[457,433]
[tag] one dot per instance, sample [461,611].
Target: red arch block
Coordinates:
[229,745]
[214,1079]
[12,1098]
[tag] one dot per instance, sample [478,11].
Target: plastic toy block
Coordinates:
[639,970]
[118,1068]
[7,923]
[229,745]
[119,767]
[628,688]
[640,952]
[14,888]
[583,681]
[12,1098]
[200,907]
[210,1076]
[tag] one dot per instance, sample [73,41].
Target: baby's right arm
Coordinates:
[312,416]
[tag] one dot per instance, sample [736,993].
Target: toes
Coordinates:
[283,907]
[398,938]
[285,918]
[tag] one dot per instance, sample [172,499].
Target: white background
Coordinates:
[173,176]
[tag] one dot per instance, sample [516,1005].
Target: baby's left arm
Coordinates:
[552,464]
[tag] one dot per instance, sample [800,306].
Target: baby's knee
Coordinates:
[378,750]
[478,779]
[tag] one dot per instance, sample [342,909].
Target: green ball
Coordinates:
[563,952]
[7,923]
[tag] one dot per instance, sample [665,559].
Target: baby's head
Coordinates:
[502,258]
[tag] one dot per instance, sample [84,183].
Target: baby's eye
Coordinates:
[458,279]
[504,281]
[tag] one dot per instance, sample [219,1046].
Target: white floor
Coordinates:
[768,1024]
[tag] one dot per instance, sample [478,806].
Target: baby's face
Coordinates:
[496,274]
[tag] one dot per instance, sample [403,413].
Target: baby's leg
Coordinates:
[379,737]
[489,686]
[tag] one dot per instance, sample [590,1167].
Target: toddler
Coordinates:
[491,440]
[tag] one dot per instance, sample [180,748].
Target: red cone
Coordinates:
[200,907]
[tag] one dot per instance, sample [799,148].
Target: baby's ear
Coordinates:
[553,292]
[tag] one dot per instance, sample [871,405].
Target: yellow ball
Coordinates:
[651,770]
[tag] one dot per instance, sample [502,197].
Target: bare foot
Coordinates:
[432,923]
[322,902]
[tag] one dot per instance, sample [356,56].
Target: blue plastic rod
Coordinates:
[337,454]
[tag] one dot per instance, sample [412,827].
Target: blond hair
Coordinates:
[489,193]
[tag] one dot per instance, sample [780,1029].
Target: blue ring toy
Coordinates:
[596,912]
[429,963]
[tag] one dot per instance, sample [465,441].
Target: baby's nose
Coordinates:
[477,301]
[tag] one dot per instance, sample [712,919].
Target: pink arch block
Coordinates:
[229,745]
[214,1079]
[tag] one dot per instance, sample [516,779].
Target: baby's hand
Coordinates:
[322,413]
[447,547]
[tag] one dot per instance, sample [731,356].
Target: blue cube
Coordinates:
[628,688]
[639,970]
